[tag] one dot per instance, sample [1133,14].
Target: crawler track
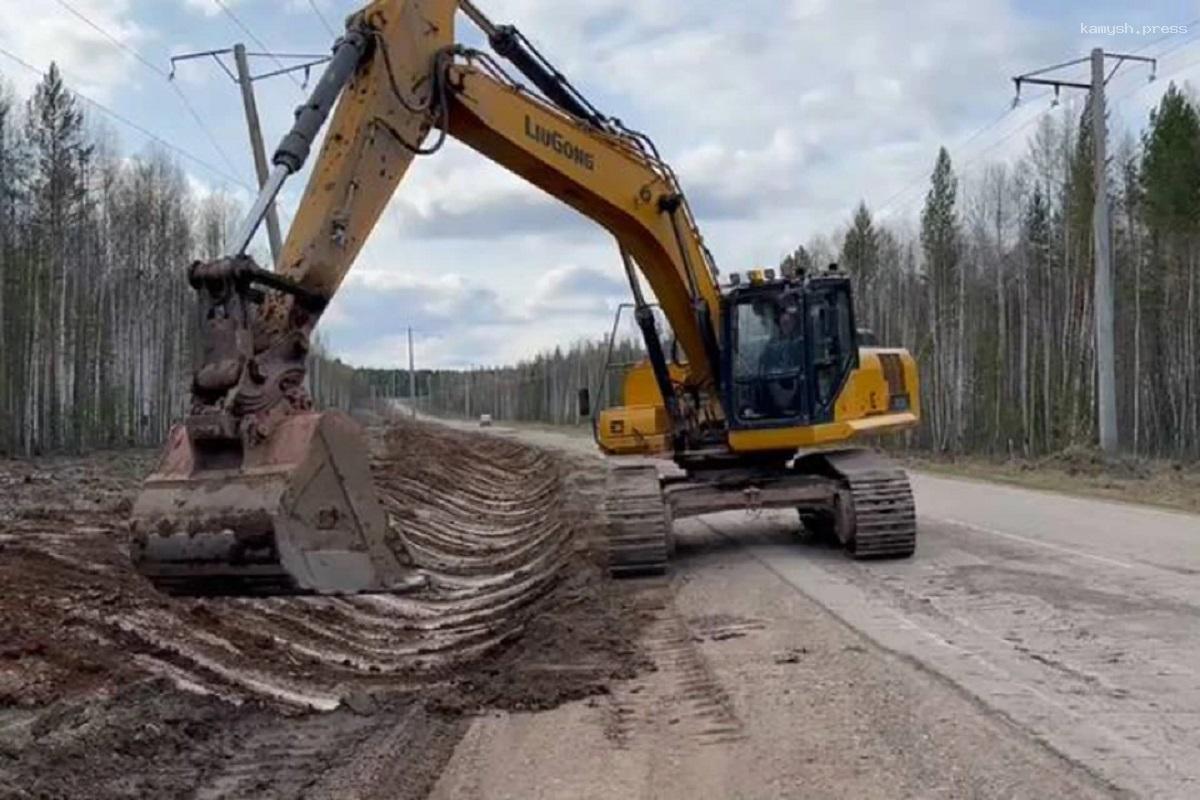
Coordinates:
[639,521]
[884,518]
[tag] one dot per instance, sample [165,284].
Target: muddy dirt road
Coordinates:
[108,689]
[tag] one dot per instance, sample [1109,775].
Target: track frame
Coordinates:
[859,497]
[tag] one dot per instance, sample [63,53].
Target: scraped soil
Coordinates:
[110,689]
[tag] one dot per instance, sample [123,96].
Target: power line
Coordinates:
[919,179]
[162,73]
[964,165]
[1136,89]
[1179,44]
[266,51]
[316,10]
[1035,118]
[1139,88]
[135,126]
[94,26]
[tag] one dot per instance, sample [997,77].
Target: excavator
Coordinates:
[761,394]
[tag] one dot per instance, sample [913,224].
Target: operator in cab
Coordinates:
[785,350]
[781,366]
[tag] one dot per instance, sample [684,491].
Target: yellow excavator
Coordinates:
[760,393]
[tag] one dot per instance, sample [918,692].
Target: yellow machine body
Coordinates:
[640,425]
[865,407]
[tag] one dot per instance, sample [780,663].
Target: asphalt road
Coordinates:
[1077,619]
[1038,645]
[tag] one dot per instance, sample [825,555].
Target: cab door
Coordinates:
[767,371]
[833,341]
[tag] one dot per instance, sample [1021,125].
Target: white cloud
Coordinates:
[207,7]
[89,61]
[460,193]
[576,290]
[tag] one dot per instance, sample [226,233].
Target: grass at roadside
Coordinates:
[1083,472]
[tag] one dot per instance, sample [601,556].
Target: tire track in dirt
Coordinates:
[687,693]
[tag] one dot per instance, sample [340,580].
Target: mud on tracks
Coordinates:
[109,689]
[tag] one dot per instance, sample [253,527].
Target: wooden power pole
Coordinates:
[241,76]
[256,144]
[412,376]
[1106,373]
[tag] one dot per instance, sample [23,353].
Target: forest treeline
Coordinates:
[544,388]
[992,292]
[97,323]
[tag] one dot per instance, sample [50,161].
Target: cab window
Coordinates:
[834,345]
[769,359]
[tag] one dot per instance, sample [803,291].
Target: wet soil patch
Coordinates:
[110,689]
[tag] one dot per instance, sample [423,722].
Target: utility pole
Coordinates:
[256,143]
[246,81]
[412,376]
[1106,377]
[1106,373]
[470,372]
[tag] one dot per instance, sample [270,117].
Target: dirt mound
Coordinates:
[100,674]
[51,488]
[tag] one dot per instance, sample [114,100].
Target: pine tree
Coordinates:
[1170,169]
[1170,175]
[860,259]
[940,240]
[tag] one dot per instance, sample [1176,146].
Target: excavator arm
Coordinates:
[255,490]
[414,85]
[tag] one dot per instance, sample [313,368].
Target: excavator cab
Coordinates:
[791,347]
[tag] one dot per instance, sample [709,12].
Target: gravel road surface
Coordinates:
[1039,645]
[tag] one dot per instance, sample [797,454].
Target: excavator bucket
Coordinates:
[296,514]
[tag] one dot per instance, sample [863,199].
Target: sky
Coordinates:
[779,117]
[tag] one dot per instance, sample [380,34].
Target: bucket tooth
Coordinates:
[296,514]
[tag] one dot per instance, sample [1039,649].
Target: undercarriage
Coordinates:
[854,496]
